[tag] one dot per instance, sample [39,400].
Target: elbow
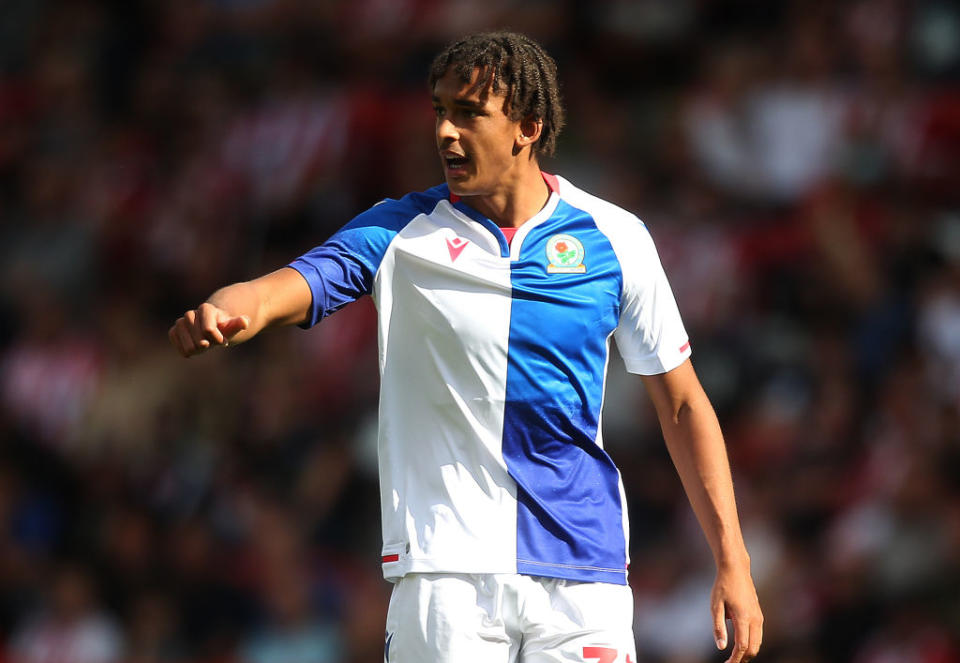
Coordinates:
[681,411]
[685,411]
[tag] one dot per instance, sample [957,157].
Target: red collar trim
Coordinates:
[552,183]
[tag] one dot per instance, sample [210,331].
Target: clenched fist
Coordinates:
[205,327]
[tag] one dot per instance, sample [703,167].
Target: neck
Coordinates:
[517,200]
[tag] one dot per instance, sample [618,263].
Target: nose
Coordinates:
[446,131]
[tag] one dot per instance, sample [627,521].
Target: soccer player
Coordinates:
[504,520]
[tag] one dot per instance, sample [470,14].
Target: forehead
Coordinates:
[478,89]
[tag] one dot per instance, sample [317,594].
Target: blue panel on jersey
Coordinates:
[489,224]
[569,518]
[342,269]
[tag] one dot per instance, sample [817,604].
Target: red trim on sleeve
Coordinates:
[685,347]
[386,559]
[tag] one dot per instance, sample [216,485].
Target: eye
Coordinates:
[438,110]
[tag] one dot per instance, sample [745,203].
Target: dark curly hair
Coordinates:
[513,65]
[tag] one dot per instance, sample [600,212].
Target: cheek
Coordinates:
[498,149]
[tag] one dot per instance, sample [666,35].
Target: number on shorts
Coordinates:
[602,654]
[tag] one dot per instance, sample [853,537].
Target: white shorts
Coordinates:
[507,618]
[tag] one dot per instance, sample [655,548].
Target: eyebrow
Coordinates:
[463,103]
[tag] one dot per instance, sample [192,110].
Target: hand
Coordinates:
[735,598]
[207,326]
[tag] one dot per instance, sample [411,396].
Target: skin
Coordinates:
[239,312]
[502,180]
[695,443]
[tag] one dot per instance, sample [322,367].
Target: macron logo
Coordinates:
[456,247]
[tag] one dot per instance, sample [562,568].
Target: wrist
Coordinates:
[733,559]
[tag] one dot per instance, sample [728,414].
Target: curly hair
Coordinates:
[513,65]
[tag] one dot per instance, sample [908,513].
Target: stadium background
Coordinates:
[798,164]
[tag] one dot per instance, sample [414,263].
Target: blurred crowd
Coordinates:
[798,164]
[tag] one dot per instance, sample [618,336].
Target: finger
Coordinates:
[741,640]
[719,625]
[234,326]
[172,335]
[756,637]
[194,330]
[207,321]
[184,340]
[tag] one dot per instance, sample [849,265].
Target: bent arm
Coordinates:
[238,312]
[696,446]
[278,298]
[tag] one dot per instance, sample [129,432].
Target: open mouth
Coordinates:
[455,163]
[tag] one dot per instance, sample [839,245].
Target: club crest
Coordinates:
[565,255]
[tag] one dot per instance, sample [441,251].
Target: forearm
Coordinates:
[240,311]
[695,443]
[279,298]
[242,299]
[697,449]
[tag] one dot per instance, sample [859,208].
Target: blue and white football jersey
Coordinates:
[492,360]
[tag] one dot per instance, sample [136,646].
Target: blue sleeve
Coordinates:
[342,269]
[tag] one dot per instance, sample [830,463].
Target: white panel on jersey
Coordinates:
[443,293]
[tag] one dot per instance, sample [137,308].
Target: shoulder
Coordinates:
[368,234]
[601,210]
[612,220]
[394,214]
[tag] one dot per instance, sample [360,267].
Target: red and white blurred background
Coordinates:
[798,164]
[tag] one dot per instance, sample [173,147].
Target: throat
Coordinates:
[512,208]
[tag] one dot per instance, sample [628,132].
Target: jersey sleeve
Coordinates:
[650,335]
[343,268]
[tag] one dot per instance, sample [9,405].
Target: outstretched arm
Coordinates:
[696,446]
[240,311]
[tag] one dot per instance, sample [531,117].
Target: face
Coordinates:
[476,139]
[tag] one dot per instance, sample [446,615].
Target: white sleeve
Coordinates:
[650,335]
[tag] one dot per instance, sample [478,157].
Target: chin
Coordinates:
[460,187]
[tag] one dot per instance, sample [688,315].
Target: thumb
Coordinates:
[719,625]
[233,326]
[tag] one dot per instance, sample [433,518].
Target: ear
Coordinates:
[528,132]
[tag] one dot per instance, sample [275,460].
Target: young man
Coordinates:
[504,521]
